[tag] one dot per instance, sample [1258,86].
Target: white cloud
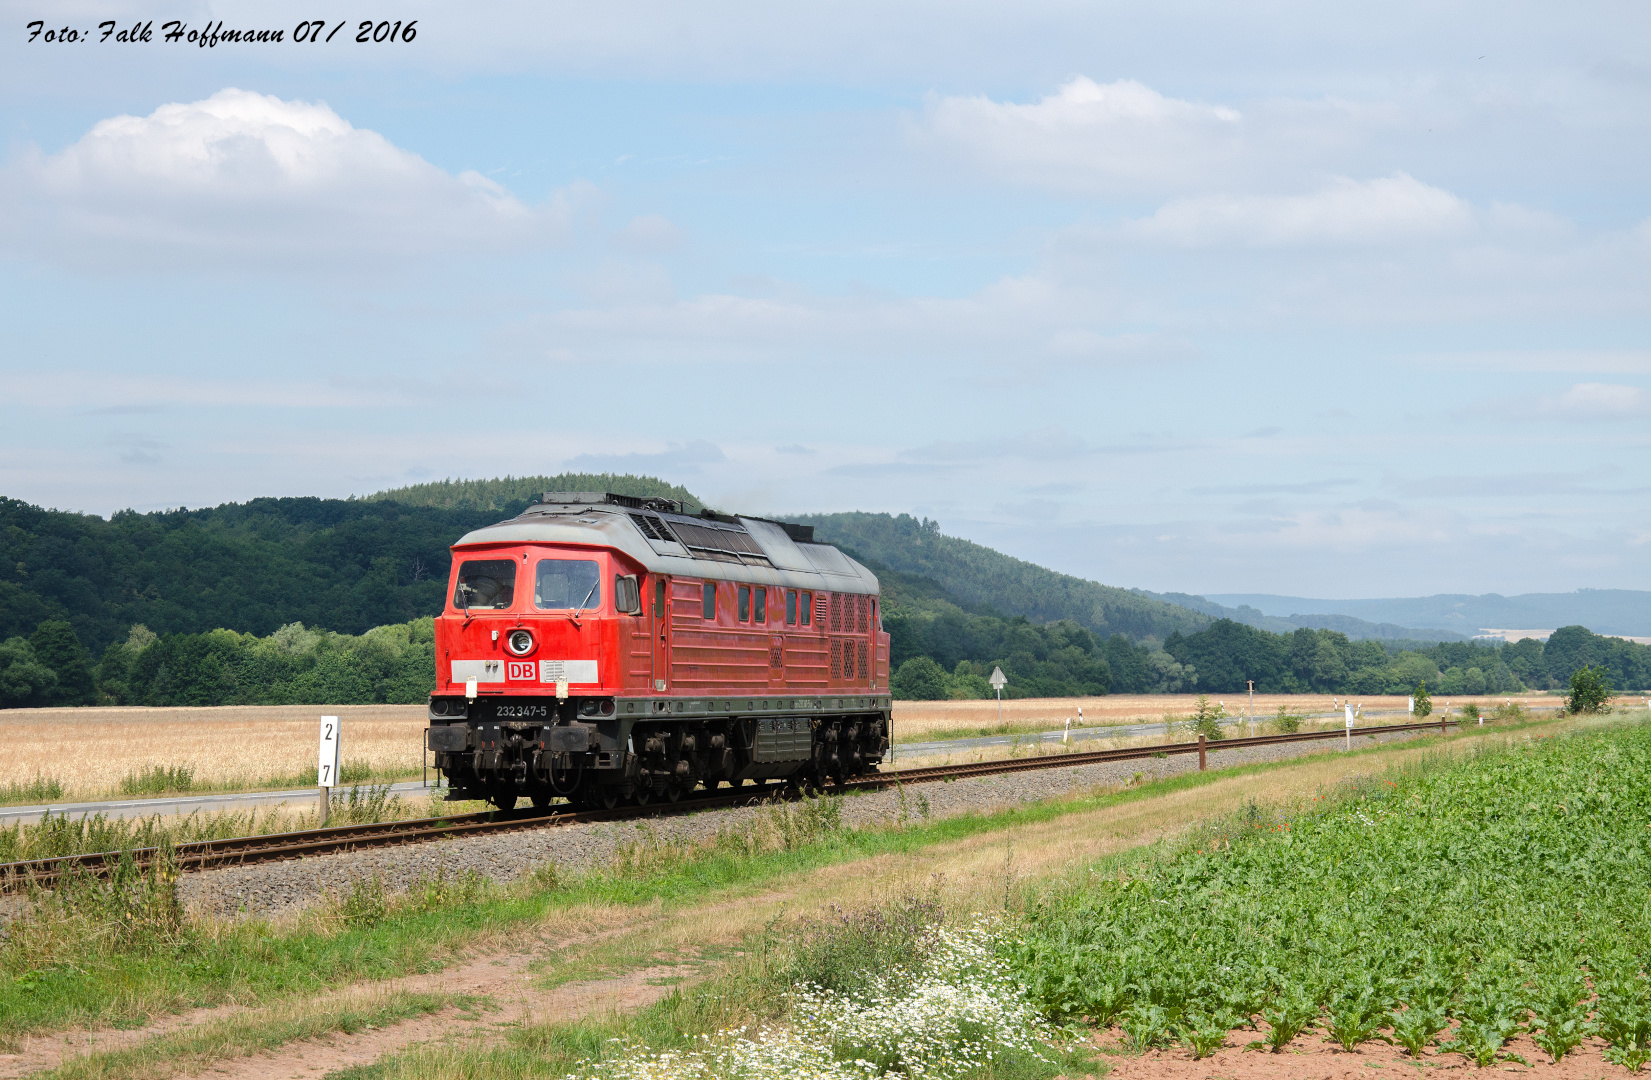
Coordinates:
[1397,208]
[1603,361]
[1119,136]
[1602,401]
[650,234]
[114,394]
[244,177]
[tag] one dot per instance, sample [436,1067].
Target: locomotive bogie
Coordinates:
[656,753]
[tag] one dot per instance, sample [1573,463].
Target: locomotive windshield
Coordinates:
[485,583]
[567,585]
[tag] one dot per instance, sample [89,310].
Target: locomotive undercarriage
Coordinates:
[576,753]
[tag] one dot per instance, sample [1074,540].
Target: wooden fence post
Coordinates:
[1201,746]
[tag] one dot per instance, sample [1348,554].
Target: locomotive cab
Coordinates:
[601,648]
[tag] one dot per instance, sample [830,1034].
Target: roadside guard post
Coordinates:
[326,773]
[1349,709]
[999,680]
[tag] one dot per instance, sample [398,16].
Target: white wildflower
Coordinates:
[960,1013]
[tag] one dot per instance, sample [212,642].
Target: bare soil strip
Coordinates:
[1311,1056]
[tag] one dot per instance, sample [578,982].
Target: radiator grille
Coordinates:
[864,673]
[836,613]
[836,659]
[776,656]
[848,661]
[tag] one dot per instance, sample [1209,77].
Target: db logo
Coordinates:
[521,671]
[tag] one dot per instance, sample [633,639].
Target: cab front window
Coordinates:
[567,585]
[488,584]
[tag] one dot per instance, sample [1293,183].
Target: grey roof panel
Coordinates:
[770,560]
[782,551]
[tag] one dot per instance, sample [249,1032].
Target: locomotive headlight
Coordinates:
[520,642]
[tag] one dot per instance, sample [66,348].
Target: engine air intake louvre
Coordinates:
[861,615]
[723,543]
[861,649]
[836,613]
[776,657]
[848,661]
[836,659]
[652,528]
[820,609]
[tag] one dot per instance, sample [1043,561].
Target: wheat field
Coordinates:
[917,721]
[91,751]
[94,753]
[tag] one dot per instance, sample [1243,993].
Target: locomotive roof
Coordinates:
[657,534]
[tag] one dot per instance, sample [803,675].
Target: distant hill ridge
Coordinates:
[1357,629]
[1624,612]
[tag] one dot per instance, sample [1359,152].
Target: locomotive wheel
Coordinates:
[644,794]
[541,799]
[608,798]
[503,800]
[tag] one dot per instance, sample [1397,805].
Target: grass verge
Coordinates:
[210,1044]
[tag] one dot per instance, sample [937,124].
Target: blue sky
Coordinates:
[1300,298]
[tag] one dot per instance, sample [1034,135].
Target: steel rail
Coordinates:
[272,847]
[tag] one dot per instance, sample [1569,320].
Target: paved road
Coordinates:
[1119,731]
[243,801]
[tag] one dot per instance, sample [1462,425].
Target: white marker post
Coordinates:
[998,681]
[326,773]
[1349,709]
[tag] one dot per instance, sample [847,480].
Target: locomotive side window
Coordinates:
[790,608]
[708,601]
[486,583]
[567,585]
[762,607]
[627,594]
[745,603]
[659,598]
[808,608]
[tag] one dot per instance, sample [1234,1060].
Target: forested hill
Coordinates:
[251,567]
[349,565]
[977,577]
[513,491]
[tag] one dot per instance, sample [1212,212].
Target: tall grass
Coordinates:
[158,780]
[39,789]
[58,834]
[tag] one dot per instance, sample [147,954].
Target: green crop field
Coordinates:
[1509,891]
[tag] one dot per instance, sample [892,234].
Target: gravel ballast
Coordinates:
[278,889]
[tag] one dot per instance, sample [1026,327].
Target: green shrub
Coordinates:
[1206,719]
[1590,691]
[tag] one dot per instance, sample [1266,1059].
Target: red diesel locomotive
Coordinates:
[602,648]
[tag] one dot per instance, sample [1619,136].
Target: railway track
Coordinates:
[274,847]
